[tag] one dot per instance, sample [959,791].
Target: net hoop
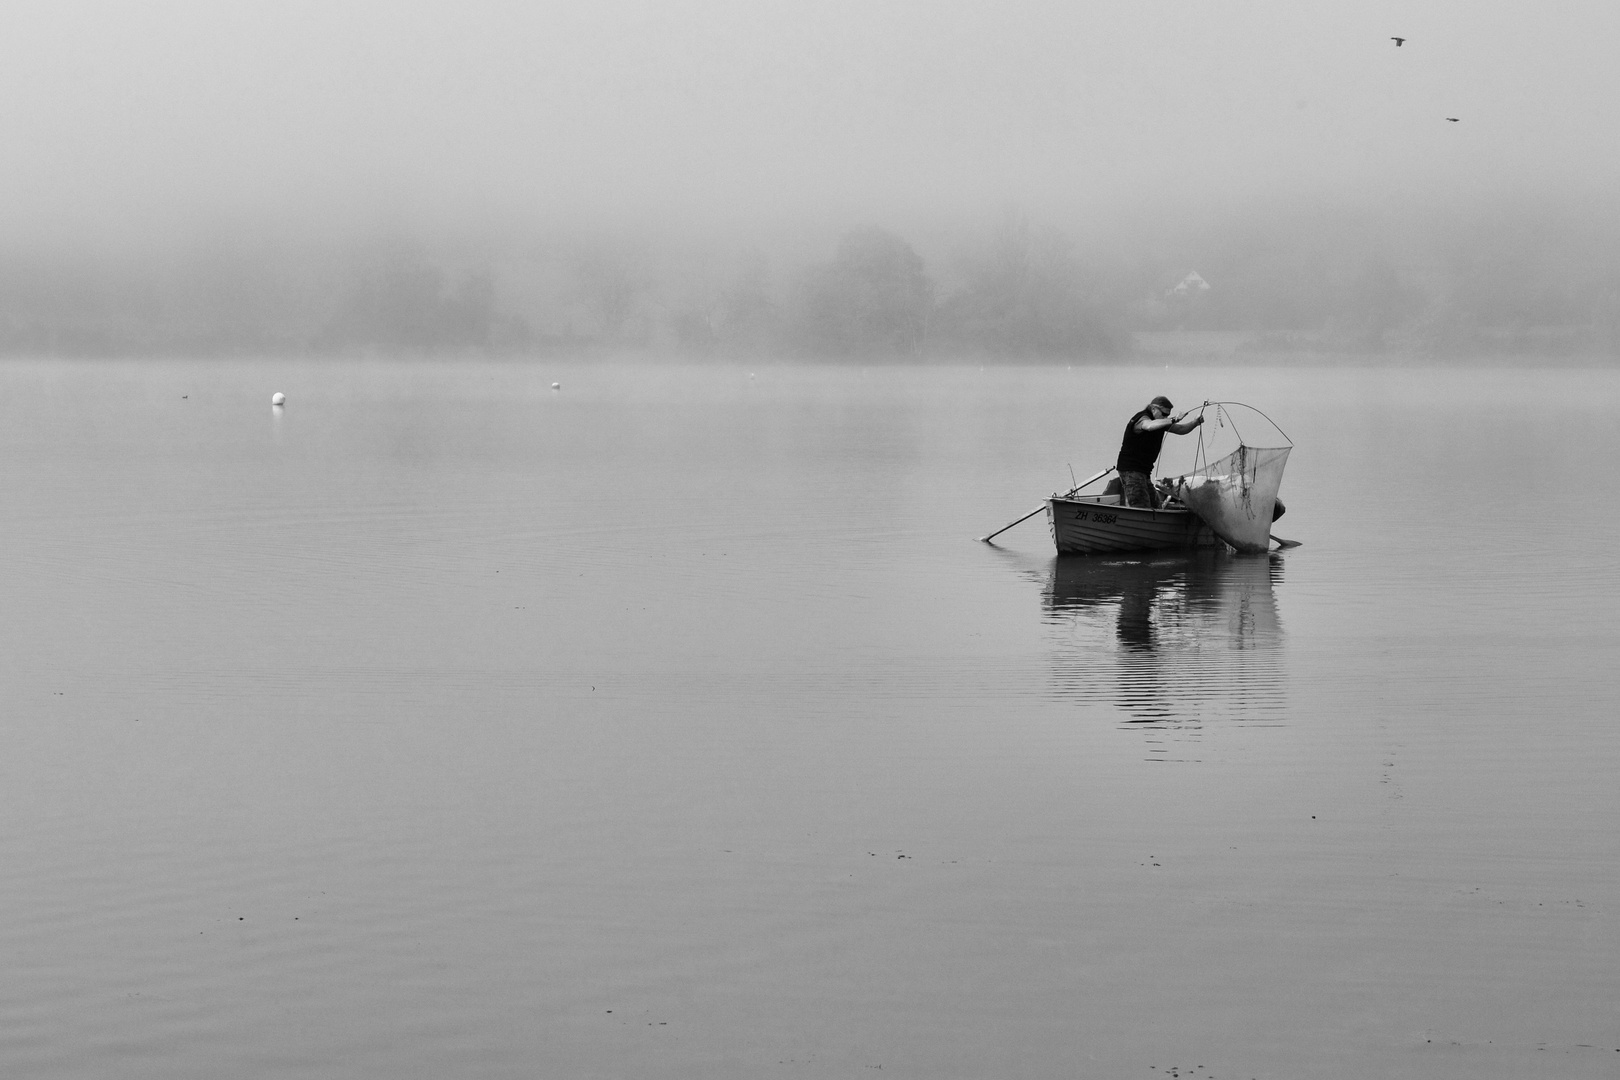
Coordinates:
[1224,418]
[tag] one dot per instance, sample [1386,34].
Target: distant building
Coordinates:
[1191,285]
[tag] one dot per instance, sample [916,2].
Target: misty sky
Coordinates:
[132,115]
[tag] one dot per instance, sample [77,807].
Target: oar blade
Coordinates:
[1004,528]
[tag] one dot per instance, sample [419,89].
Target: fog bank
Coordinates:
[1516,279]
[627,174]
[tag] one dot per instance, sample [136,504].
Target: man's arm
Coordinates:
[1174,425]
[1180,426]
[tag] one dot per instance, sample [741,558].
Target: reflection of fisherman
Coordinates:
[1140,450]
[1134,624]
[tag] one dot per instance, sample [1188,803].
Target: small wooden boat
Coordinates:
[1099,524]
[1231,500]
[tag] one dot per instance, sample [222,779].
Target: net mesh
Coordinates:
[1237,494]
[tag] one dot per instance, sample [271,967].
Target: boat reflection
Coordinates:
[1175,640]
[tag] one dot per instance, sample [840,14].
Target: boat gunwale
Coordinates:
[1134,511]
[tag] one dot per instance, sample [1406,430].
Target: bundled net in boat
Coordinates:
[1237,494]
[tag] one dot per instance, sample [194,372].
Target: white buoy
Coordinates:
[556,386]
[278,399]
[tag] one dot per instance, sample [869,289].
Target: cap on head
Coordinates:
[1164,403]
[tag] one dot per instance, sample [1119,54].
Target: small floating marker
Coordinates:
[278,399]
[556,386]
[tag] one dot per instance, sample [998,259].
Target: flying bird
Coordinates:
[1399,41]
[1454,119]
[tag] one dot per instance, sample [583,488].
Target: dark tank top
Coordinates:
[1140,449]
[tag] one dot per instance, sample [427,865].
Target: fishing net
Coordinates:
[1236,495]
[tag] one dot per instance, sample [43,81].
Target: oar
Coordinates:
[1287,543]
[1038,509]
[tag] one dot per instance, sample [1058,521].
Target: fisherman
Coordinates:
[1139,450]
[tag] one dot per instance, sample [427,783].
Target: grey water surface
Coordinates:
[672,723]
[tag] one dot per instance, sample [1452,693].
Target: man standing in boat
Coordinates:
[1140,450]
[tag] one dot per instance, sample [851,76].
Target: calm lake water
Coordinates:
[673,724]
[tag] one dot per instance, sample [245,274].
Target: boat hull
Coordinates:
[1099,525]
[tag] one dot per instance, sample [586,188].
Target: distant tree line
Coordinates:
[1014,292]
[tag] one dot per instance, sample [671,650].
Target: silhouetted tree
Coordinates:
[873,299]
[1377,301]
[746,319]
[1025,297]
[401,300]
[612,279]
